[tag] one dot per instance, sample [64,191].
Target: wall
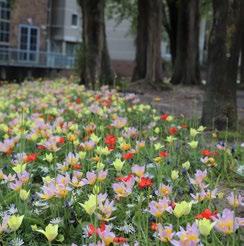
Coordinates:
[34,12]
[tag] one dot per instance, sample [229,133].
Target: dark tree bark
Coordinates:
[219,107]
[242,43]
[141,40]
[107,74]
[233,44]
[148,42]
[186,69]
[154,73]
[96,61]
[170,22]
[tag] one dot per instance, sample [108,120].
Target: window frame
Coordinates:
[5,33]
[28,50]
[77,20]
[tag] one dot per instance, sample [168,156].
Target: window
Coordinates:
[74,20]
[29,37]
[4,21]
[71,48]
[4,10]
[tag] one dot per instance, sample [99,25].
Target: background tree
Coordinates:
[242,43]
[154,73]
[148,43]
[96,65]
[170,22]
[233,46]
[142,37]
[219,107]
[186,69]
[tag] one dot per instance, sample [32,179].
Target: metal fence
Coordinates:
[26,58]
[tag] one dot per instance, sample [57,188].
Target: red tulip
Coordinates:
[145,182]
[119,240]
[163,154]
[127,156]
[31,157]
[207,214]
[172,130]
[164,116]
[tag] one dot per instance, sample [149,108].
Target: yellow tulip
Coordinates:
[46,179]
[193,144]
[205,226]
[3,127]
[95,138]
[19,168]
[15,221]
[100,166]
[170,118]
[157,130]
[102,151]
[118,165]
[170,139]
[186,165]
[82,155]
[193,132]
[23,194]
[220,195]
[175,174]
[201,128]
[51,231]
[49,157]
[157,159]
[90,205]
[182,208]
[158,146]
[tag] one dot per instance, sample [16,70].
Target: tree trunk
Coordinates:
[148,42]
[107,74]
[154,74]
[219,107]
[96,65]
[173,21]
[141,40]
[186,69]
[233,45]
[242,43]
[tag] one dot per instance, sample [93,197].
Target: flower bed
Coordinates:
[98,168]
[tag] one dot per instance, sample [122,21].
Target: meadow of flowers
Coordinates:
[79,167]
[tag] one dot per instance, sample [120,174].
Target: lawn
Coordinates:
[79,167]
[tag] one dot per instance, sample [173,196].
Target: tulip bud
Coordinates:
[186,165]
[205,226]
[118,165]
[23,194]
[175,174]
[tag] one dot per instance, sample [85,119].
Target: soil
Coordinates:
[180,100]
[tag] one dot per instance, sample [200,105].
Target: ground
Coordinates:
[181,100]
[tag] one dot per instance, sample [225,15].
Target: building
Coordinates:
[42,35]
[38,35]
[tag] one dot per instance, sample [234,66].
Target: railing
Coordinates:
[26,58]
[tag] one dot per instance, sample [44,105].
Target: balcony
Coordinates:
[37,59]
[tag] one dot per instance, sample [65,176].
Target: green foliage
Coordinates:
[79,59]
[206,9]
[123,10]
